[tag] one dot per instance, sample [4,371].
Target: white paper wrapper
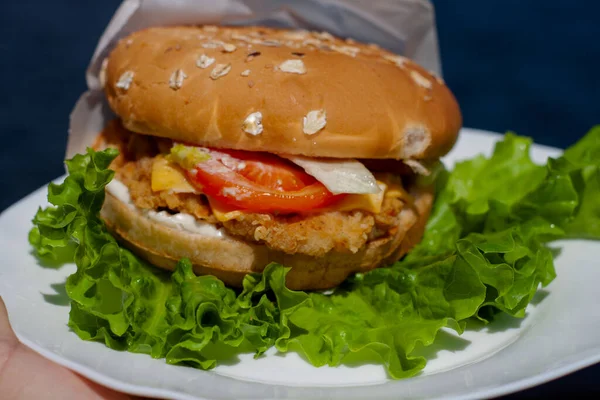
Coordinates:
[406,27]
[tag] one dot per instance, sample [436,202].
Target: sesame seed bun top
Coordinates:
[281,91]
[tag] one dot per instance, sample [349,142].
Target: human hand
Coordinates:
[24,374]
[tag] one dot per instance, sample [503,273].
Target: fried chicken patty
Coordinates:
[311,234]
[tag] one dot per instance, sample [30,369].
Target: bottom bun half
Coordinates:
[230,259]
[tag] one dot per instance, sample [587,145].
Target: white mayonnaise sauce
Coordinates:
[120,191]
[186,222]
[179,221]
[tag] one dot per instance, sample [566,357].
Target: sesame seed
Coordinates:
[398,60]
[176,79]
[212,44]
[220,70]
[314,121]
[245,72]
[243,38]
[253,124]
[295,45]
[293,67]
[348,50]
[311,42]
[323,36]
[420,79]
[204,61]
[125,80]
[229,48]
[270,43]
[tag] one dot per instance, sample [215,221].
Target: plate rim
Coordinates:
[141,390]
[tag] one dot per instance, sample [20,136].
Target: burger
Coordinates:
[242,146]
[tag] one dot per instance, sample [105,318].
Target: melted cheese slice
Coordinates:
[168,176]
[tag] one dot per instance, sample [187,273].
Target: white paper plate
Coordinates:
[558,336]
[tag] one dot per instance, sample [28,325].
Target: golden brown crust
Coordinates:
[230,258]
[312,234]
[137,176]
[375,107]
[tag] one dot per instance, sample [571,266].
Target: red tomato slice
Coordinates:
[259,182]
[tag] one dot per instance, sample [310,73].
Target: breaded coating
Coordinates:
[137,176]
[314,235]
[310,234]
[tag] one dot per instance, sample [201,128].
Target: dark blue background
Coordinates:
[528,66]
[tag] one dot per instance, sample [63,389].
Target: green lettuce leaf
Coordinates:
[484,251]
[583,166]
[383,315]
